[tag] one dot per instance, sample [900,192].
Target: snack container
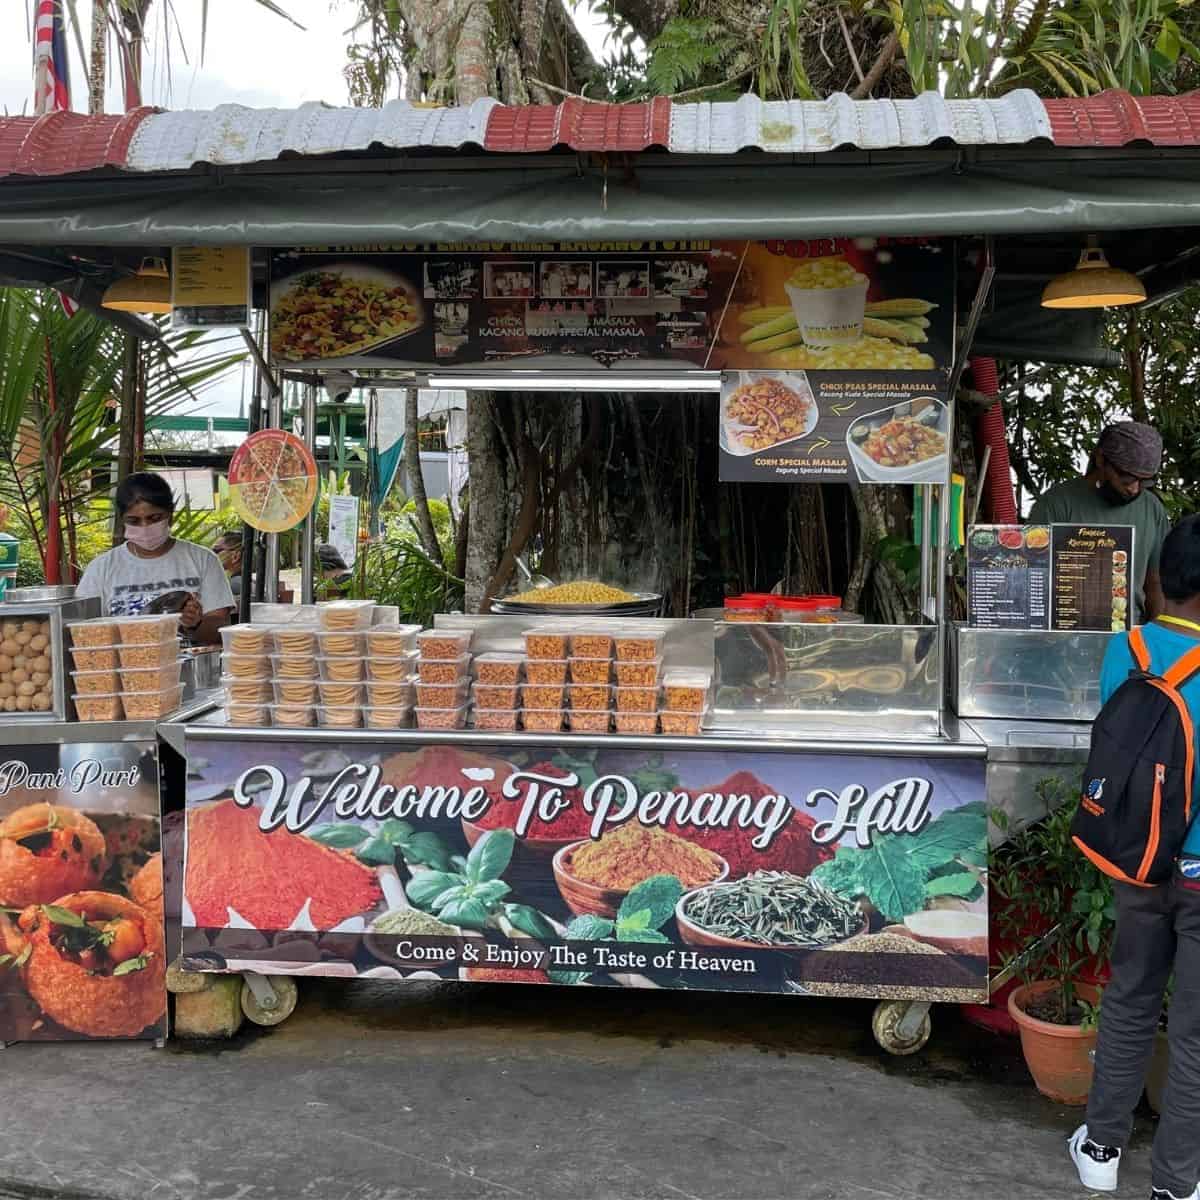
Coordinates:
[254,715]
[394,670]
[680,723]
[294,666]
[636,699]
[346,615]
[542,695]
[496,695]
[546,670]
[148,706]
[638,674]
[628,722]
[542,720]
[151,654]
[390,695]
[498,667]
[639,646]
[442,670]
[300,693]
[501,719]
[293,716]
[590,670]
[686,691]
[96,632]
[150,679]
[340,695]
[95,658]
[339,716]
[444,643]
[594,697]
[441,718]
[337,643]
[247,639]
[546,641]
[580,721]
[98,707]
[295,641]
[592,643]
[246,691]
[392,641]
[145,631]
[246,666]
[96,683]
[388,716]
[442,695]
[342,670]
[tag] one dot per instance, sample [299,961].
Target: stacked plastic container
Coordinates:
[496,694]
[125,667]
[443,678]
[685,697]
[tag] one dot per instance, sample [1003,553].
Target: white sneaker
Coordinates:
[1097,1165]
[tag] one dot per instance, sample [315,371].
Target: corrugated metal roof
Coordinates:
[62,143]
[231,135]
[1119,119]
[580,124]
[808,127]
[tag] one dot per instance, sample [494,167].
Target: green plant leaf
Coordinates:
[376,853]
[842,873]
[132,964]
[489,891]
[465,912]
[427,849]
[490,855]
[626,934]
[529,920]
[589,928]
[634,920]
[892,881]
[395,831]
[426,886]
[64,916]
[338,836]
[961,884]
[657,896]
[23,957]
[570,978]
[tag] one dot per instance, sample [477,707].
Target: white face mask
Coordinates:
[149,537]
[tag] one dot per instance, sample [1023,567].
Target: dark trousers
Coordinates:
[1158,931]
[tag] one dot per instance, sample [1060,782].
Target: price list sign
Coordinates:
[210,286]
[1090,589]
[1008,576]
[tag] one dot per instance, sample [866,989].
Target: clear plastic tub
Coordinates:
[686,690]
[498,667]
[156,654]
[142,631]
[247,666]
[441,718]
[442,670]
[247,691]
[590,670]
[391,695]
[393,670]
[294,666]
[96,632]
[150,679]
[639,645]
[339,644]
[149,706]
[442,695]
[500,719]
[638,674]
[542,695]
[687,724]
[388,716]
[636,699]
[627,722]
[340,695]
[293,716]
[293,640]
[346,615]
[255,716]
[592,643]
[392,640]
[96,658]
[295,692]
[546,670]
[594,697]
[496,695]
[750,608]
[339,717]
[444,643]
[542,720]
[580,721]
[96,683]
[342,670]
[99,707]
[247,639]
[546,641]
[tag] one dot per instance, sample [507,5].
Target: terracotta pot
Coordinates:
[1156,1075]
[1058,1056]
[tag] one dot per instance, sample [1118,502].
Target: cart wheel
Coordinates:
[260,1011]
[886,1025]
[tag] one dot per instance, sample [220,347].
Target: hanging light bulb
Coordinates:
[1093,284]
[149,291]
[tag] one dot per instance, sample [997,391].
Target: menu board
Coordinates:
[1008,576]
[210,286]
[1090,583]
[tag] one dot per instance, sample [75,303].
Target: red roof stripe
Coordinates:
[582,125]
[61,143]
[1116,119]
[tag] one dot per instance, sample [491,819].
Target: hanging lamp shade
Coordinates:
[149,291]
[1094,283]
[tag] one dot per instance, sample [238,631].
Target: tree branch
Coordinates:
[416,482]
[886,55]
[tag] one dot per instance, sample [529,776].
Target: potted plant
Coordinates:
[1040,871]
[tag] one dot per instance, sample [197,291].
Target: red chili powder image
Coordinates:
[267,877]
[570,825]
[440,766]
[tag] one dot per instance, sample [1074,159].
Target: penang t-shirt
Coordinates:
[126,584]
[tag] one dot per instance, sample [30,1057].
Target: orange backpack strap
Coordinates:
[1137,645]
[1183,668]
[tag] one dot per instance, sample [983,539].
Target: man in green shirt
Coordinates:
[1116,491]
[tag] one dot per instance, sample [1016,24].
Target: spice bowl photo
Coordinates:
[536,851]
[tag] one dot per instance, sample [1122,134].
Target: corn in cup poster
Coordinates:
[82,947]
[806,874]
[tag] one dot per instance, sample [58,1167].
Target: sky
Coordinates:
[251,57]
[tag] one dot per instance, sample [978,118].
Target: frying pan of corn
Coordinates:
[581,597]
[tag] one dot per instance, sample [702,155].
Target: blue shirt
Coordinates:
[1165,646]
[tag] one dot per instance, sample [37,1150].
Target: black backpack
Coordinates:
[1136,805]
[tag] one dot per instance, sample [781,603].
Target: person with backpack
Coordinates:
[1137,823]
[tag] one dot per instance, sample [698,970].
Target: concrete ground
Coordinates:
[470,1091]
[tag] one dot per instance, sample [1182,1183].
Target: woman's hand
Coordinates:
[190,615]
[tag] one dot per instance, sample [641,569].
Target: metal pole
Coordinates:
[309,528]
[927,490]
[274,421]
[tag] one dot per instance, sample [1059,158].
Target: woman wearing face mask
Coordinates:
[151,563]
